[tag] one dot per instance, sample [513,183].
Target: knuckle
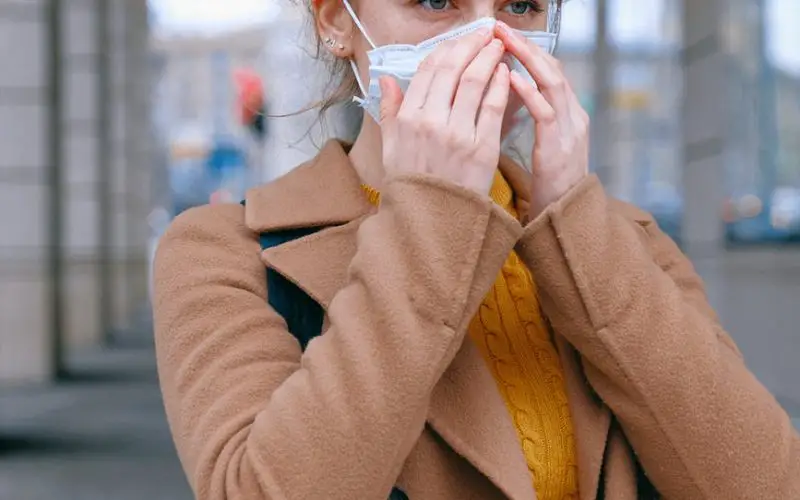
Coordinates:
[404,119]
[460,142]
[453,141]
[494,108]
[427,64]
[472,79]
[426,126]
[446,64]
[549,117]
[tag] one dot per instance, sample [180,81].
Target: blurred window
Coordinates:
[783,37]
[578,26]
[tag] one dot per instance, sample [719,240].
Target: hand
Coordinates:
[561,151]
[449,122]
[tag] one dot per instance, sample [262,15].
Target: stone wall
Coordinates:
[25,343]
[100,183]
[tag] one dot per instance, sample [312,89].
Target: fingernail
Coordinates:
[498,44]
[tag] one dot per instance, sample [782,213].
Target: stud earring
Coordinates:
[331,43]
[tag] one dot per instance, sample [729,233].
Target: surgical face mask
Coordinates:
[401,61]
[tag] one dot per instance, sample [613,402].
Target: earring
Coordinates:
[330,42]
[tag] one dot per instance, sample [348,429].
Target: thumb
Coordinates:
[391,98]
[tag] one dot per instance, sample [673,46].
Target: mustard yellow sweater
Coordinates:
[515,341]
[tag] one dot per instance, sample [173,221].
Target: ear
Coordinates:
[335,27]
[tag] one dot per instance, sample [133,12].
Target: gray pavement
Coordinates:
[103,436]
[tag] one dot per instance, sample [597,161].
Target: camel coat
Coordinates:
[393,394]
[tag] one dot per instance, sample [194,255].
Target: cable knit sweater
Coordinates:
[515,341]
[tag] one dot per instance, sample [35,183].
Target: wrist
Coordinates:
[554,191]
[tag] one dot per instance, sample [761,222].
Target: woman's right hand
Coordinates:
[449,122]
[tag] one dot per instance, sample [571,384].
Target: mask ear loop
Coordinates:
[554,23]
[358,23]
[359,100]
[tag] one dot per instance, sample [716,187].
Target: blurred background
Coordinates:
[116,115]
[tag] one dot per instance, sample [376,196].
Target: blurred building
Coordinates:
[75,171]
[195,95]
[194,77]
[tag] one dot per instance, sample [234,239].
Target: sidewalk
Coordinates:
[102,436]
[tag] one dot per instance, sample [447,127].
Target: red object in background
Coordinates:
[251,95]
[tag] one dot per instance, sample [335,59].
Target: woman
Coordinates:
[488,333]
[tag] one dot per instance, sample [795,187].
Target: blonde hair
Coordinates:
[342,85]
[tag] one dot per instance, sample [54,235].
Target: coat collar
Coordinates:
[325,191]
[465,403]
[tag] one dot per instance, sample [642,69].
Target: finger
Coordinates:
[548,76]
[546,72]
[529,54]
[449,74]
[493,106]
[542,112]
[474,83]
[391,98]
[443,57]
[417,92]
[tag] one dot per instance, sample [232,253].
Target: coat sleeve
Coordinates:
[252,417]
[622,293]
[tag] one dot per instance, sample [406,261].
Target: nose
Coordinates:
[481,9]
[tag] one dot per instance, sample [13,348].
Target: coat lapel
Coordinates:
[466,409]
[591,418]
[468,412]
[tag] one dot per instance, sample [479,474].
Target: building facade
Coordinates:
[75,170]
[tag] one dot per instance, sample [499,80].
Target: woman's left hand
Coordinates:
[561,150]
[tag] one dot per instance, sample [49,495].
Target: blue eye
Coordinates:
[434,4]
[522,8]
